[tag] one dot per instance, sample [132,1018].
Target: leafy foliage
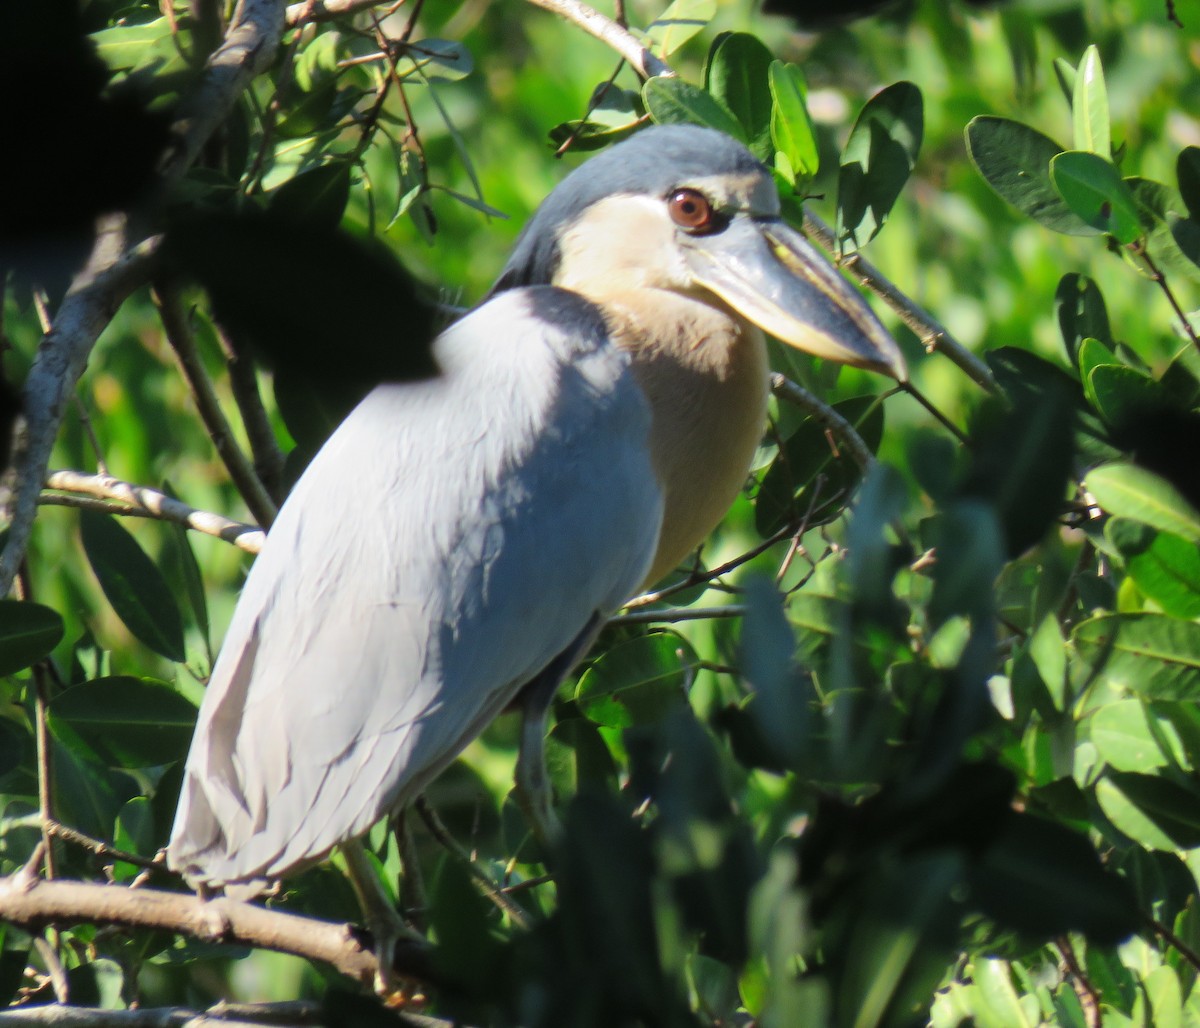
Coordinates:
[942,765]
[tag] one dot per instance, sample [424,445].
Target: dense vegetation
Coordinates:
[913,740]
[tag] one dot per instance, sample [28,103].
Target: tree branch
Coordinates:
[934,336]
[847,435]
[115,266]
[326,10]
[139,501]
[31,903]
[610,33]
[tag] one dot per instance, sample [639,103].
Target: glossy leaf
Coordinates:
[1165,567]
[672,101]
[1090,106]
[678,23]
[1129,491]
[637,681]
[1149,655]
[133,584]
[1122,394]
[1093,189]
[1014,160]
[128,722]
[737,76]
[792,129]
[317,197]
[28,632]
[1123,737]
[1154,811]
[876,162]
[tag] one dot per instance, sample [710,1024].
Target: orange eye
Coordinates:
[690,209]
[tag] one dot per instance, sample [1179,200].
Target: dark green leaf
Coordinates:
[970,552]
[1043,879]
[637,681]
[1122,394]
[1187,174]
[133,584]
[467,954]
[316,198]
[1149,655]
[808,479]
[1094,190]
[1151,810]
[737,76]
[1014,160]
[876,162]
[16,743]
[671,101]
[128,722]
[28,632]
[1081,312]
[577,756]
[88,796]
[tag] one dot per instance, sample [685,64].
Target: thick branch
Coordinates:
[114,268]
[34,903]
[326,10]
[610,33]
[139,501]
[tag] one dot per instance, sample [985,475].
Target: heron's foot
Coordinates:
[390,930]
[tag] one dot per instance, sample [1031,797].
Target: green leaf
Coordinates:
[1129,491]
[1094,190]
[1151,810]
[877,160]
[1122,394]
[808,479]
[133,584]
[1092,354]
[1014,160]
[737,76]
[128,722]
[1165,567]
[1187,174]
[792,130]
[1090,106]
[638,681]
[317,197]
[672,101]
[678,23]
[1079,306]
[1148,655]
[28,632]
[1123,737]
[1041,878]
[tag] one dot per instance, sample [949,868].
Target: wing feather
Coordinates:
[451,538]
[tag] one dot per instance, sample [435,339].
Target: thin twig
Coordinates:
[1087,993]
[934,336]
[183,342]
[141,501]
[492,890]
[243,382]
[791,391]
[98,846]
[58,977]
[673,615]
[1159,279]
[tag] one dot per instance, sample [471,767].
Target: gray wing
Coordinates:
[451,538]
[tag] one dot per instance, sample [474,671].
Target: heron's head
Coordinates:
[690,210]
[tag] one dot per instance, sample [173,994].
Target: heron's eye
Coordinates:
[690,209]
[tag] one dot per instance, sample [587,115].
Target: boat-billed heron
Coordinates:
[458,542]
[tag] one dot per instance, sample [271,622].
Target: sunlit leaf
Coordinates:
[1014,160]
[1151,810]
[672,101]
[636,681]
[1090,106]
[678,23]
[1095,192]
[737,76]
[877,160]
[1149,655]
[1129,491]
[792,130]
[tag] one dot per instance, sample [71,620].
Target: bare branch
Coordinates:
[32,904]
[610,33]
[183,342]
[140,501]
[115,267]
[289,1014]
[326,10]
[673,615]
[934,336]
[847,435]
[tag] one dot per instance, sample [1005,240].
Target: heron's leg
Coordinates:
[532,783]
[383,921]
